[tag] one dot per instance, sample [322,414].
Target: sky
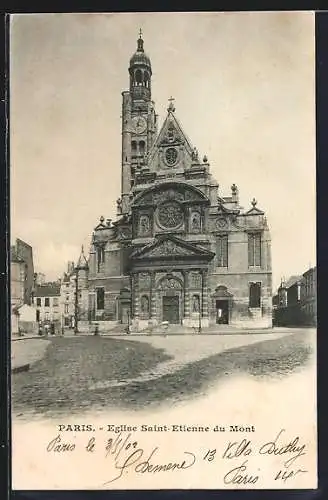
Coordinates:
[243,85]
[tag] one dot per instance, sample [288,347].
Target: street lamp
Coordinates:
[128,325]
[76,303]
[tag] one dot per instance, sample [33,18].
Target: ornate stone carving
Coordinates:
[221,223]
[195,222]
[144,225]
[169,248]
[170,215]
[191,195]
[169,283]
[124,233]
[144,280]
[168,194]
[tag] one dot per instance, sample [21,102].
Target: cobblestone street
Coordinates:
[98,373]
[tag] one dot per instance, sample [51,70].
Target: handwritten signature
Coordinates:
[291,447]
[127,454]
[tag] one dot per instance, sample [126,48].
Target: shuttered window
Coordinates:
[254,249]
[255,295]
[222,251]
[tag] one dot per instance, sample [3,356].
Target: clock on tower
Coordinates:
[139,124]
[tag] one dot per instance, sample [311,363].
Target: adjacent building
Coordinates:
[47,303]
[309,296]
[74,295]
[17,279]
[22,273]
[180,250]
[295,303]
[21,286]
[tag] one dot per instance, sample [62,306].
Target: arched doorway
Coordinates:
[169,299]
[222,305]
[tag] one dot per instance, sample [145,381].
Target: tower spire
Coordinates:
[140,42]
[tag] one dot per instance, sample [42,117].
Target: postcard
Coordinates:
[163,260]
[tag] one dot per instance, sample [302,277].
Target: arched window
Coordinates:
[134,147]
[138,77]
[142,147]
[146,79]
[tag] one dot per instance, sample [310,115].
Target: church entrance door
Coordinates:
[171,309]
[222,312]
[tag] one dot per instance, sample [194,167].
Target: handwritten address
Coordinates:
[126,454]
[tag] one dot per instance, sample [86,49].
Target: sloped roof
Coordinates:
[50,290]
[292,280]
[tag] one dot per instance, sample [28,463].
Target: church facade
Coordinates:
[179,252]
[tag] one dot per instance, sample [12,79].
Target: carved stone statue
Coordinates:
[195,221]
[144,304]
[194,155]
[144,225]
[195,304]
[119,206]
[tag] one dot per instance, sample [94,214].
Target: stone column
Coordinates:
[205,294]
[186,305]
[136,296]
[152,296]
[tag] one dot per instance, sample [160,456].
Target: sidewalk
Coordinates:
[26,352]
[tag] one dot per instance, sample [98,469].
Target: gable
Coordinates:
[172,148]
[168,247]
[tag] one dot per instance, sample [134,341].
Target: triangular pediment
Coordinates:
[171,135]
[254,211]
[170,247]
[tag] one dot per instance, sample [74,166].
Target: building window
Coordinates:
[222,251]
[55,301]
[254,249]
[100,256]
[47,301]
[66,308]
[255,295]
[46,316]
[100,298]
[142,147]
[38,301]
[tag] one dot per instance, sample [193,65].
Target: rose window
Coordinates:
[170,215]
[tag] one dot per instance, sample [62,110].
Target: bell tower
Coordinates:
[139,121]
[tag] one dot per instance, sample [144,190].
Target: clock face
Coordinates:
[139,124]
[171,156]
